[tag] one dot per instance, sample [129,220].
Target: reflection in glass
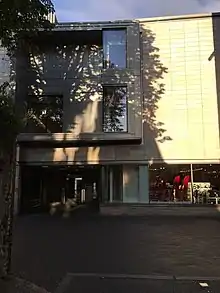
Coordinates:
[115,109]
[44,114]
[114,48]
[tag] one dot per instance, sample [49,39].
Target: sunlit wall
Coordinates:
[188,108]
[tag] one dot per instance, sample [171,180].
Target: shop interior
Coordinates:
[185,183]
[53,188]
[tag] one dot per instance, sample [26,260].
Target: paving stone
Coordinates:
[132,285]
[17,285]
[46,248]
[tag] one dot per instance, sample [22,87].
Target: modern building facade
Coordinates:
[120,109]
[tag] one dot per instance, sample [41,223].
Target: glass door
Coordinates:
[113,183]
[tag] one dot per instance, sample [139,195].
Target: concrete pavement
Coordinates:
[47,249]
[82,283]
[18,285]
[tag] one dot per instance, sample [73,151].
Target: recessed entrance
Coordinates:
[50,188]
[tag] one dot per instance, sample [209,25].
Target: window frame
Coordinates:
[103,108]
[126,48]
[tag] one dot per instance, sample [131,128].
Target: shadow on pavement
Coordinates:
[84,284]
[46,248]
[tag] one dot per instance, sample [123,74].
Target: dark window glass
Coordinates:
[114,48]
[117,178]
[44,114]
[113,183]
[115,109]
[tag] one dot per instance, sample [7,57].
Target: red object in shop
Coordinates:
[177,180]
[186,181]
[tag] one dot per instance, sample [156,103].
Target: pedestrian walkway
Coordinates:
[107,283]
[17,285]
[46,248]
[83,283]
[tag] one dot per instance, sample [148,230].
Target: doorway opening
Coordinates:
[54,188]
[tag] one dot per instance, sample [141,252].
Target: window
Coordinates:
[170,183]
[198,184]
[115,109]
[114,48]
[44,114]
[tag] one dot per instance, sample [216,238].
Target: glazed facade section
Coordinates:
[151,82]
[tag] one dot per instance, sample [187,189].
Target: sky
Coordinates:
[94,10]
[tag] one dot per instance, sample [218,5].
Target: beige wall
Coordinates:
[188,108]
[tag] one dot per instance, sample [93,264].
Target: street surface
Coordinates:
[49,250]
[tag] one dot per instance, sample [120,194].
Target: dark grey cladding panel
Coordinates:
[85,139]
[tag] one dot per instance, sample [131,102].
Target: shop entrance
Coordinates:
[53,188]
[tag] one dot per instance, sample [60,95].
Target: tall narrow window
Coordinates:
[114,48]
[115,109]
[44,114]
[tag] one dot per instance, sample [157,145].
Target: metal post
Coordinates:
[111,185]
[83,195]
[191,177]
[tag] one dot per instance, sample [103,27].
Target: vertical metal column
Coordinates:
[104,188]
[191,177]
[110,185]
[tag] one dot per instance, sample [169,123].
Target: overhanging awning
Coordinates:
[71,140]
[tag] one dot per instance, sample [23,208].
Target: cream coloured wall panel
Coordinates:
[189,110]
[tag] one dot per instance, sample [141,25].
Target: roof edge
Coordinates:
[177,17]
[95,23]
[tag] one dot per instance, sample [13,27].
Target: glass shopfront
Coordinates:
[112,184]
[184,183]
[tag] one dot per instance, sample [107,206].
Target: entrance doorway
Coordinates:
[52,187]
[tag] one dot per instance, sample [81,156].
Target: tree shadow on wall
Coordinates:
[145,109]
[74,71]
[61,69]
[153,70]
[66,71]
